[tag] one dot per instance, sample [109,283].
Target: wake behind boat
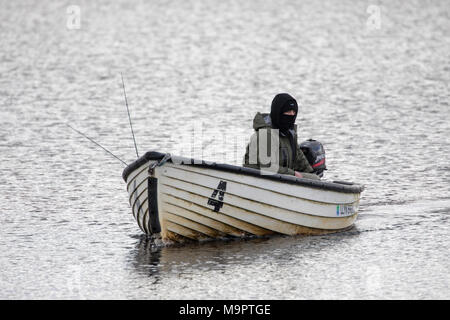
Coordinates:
[180,198]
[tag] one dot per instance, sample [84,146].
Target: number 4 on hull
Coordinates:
[221,188]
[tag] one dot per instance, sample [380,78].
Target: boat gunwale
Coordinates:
[345,187]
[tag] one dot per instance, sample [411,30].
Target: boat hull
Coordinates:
[203,203]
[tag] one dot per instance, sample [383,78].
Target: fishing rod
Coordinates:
[98,144]
[129,117]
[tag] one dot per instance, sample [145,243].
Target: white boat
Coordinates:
[178,198]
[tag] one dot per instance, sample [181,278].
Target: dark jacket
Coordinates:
[290,158]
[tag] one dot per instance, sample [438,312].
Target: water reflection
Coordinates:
[155,260]
[147,257]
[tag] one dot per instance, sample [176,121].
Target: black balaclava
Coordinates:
[281,103]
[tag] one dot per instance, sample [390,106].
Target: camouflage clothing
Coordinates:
[289,156]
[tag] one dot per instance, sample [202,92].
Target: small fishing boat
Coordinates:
[175,198]
[180,198]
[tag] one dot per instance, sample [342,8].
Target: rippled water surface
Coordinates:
[375,92]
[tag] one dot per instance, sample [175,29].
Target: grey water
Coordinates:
[371,78]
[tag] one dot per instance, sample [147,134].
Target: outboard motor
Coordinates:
[315,153]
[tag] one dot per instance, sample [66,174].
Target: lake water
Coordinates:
[372,79]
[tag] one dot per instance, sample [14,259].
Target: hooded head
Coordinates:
[282,103]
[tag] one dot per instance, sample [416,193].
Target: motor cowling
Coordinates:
[315,153]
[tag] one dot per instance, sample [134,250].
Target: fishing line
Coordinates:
[98,144]
[129,117]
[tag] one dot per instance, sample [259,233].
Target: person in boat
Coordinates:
[273,131]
